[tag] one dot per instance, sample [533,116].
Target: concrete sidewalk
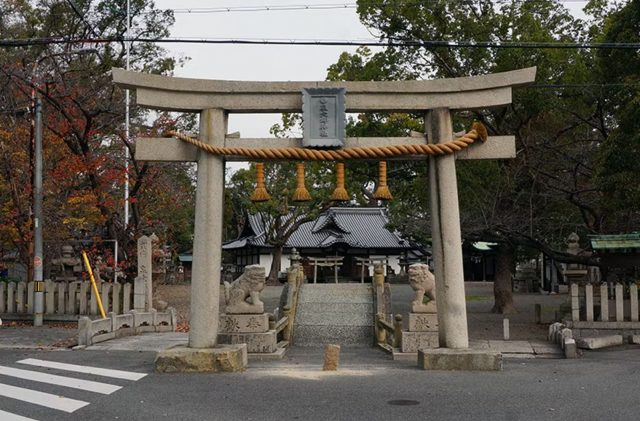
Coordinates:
[158,341]
[43,337]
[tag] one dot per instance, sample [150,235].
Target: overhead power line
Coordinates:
[310,7]
[329,6]
[22,42]
[272,8]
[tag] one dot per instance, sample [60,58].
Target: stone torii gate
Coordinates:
[215,99]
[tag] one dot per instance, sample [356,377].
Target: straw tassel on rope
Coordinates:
[340,193]
[301,194]
[382,192]
[260,194]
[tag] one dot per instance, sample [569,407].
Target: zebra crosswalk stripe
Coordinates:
[36,376]
[8,416]
[117,374]
[40,398]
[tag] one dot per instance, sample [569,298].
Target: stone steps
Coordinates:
[334,313]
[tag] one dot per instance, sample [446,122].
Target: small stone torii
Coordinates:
[215,99]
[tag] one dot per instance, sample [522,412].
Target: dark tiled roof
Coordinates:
[355,227]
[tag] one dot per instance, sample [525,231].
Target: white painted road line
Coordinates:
[36,376]
[40,398]
[117,374]
[8,416]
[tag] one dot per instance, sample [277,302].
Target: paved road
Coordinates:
[368,386]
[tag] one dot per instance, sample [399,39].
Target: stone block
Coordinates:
[634,339]
[181,359]
[599,342]
[459,359]
[313,335]
[414,341]
[570,348]
[423,322]
[256,342]
[348,316]
[564,335]
[244,323]
[331,357]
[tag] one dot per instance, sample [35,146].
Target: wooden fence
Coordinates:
[64,300]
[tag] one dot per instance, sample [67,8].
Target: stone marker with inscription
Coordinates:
[142,287]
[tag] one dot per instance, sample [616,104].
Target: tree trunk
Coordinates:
[272,279]
[502,292]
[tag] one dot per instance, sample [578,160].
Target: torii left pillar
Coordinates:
[207,240]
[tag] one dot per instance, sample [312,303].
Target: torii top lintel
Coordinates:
[183,94]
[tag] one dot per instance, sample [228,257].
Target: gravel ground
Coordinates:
[482,323]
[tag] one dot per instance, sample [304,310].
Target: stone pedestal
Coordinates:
[244,323]
[260,343]
[422,333]
[250,329]
[423,322]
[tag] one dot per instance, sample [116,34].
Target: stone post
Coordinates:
[575,302]
[604,303]
[142,289]
[588,296]
[447,238]
[633,296]
[207,242]
[397,331]
[619,303]
[84,331]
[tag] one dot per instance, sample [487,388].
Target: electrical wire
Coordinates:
[21,42]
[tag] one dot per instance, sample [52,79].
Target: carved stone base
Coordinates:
[245,308]
[413,341]
[423,322]
[256,342]
[244,323]
[430,307]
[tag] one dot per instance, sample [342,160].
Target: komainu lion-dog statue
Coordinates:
[423,283]
[243,295]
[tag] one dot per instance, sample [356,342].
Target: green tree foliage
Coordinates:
[575,132]
[618,165]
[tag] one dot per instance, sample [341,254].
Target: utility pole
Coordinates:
[126,125]
[37,217]
[38,255]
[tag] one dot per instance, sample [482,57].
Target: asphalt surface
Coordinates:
[368,386]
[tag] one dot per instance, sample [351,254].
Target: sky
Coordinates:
[261,62]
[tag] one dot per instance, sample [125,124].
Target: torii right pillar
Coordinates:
[446,235]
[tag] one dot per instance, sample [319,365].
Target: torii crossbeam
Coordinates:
[215,99]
